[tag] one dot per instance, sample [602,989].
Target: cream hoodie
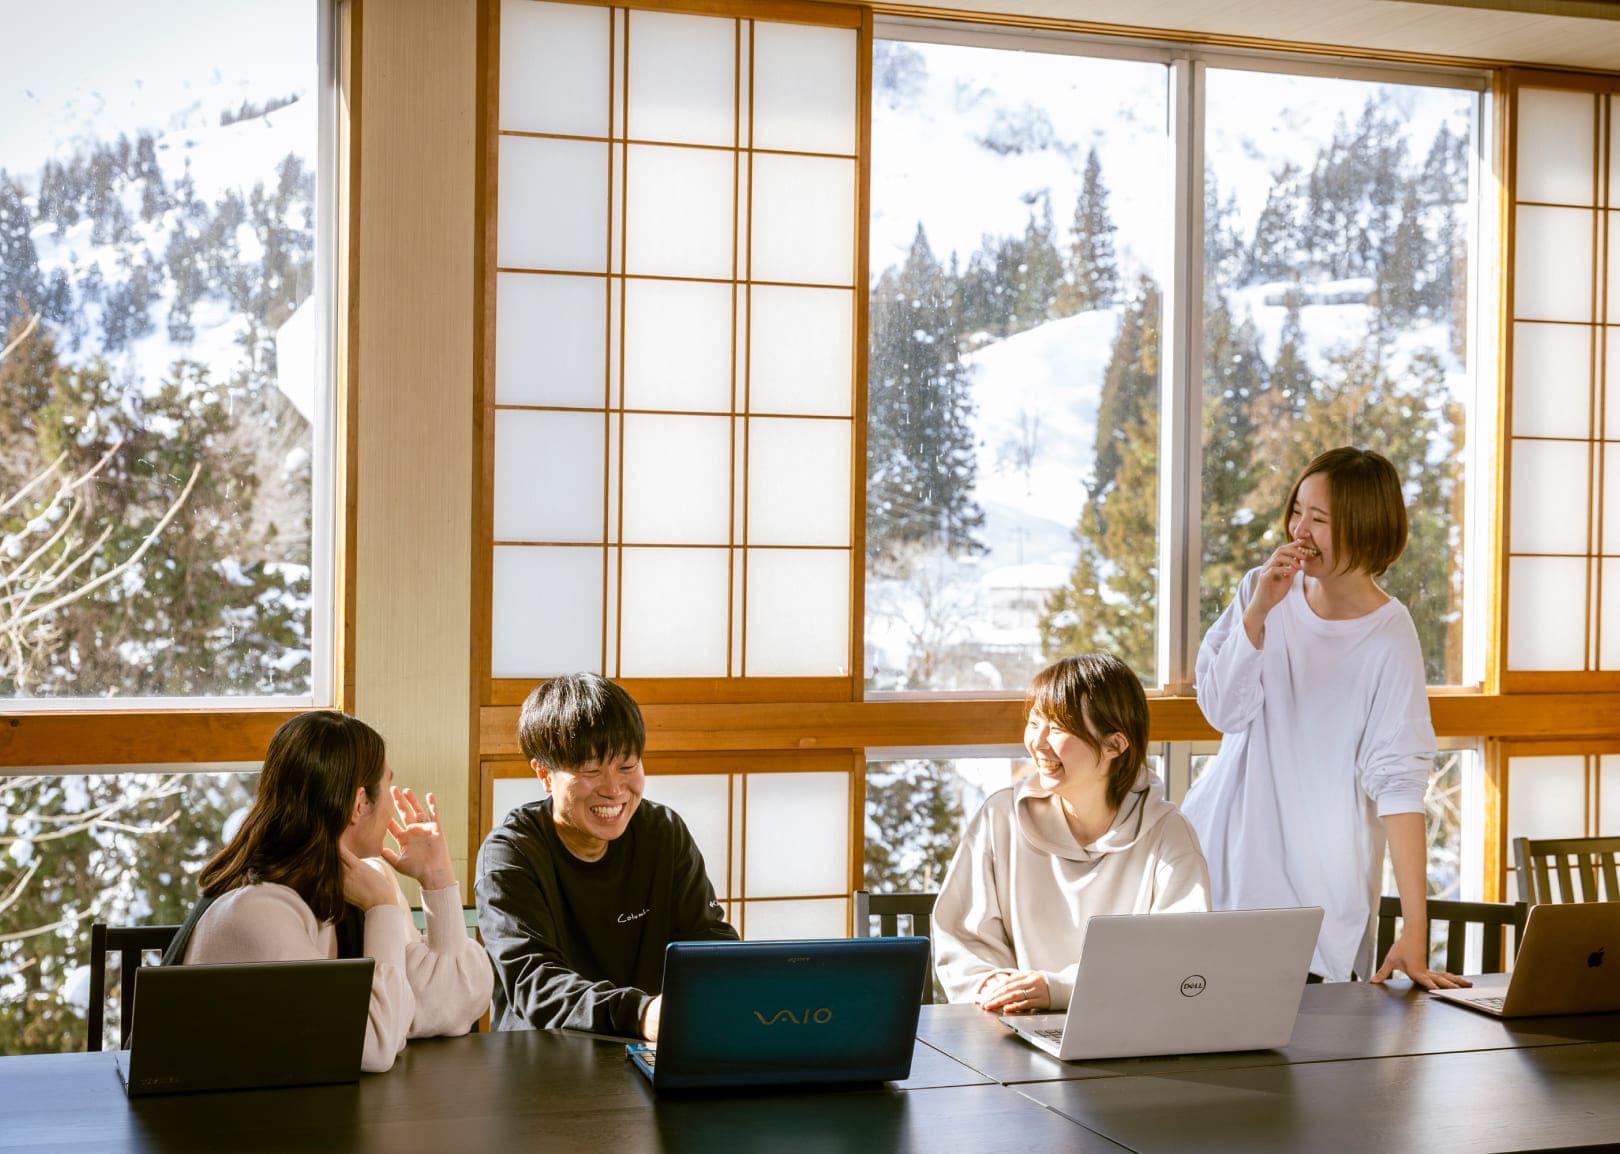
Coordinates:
[1021,888]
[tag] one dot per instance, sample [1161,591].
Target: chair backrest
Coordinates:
[1495,917]
[888,909]
[1567,869]
[469,916]
[131,944]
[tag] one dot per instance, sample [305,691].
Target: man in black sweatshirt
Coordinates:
[579,894]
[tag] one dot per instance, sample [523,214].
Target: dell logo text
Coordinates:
[1192,986]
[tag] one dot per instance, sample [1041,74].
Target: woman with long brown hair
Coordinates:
[307,876]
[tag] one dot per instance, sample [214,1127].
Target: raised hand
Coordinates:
[1275,578]
[423,853]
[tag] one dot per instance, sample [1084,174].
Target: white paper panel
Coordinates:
[610,619]
[804,220]
[784,921]
[1611,500]
[1609,624]
[1553,263]
[798,481]
[1546,796]
[507,793]
[804,88]
[798,613]
[1546,613]
[682,78]
[679,212]
[615,453]
[1555,146]
[677,480]
[1551,497]
[549,473]
[1552,380]
[1611,372]
[739,579]
[703,800]
[798,834]
[547,611]
[678,345]
[619,26]
[616,202]
[554,202]
[1608,795]
[674,612]
[554,68]
[1613,244]
[799,348]
[550,340]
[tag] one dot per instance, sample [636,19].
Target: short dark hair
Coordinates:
[304,803]
[1368,526]
[1094,696]
[580,717]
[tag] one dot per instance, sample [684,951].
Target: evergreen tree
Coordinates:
[914,822]
[1110,602]
[1235,388]
[1040,271]
[1275,251]
[921,467]
[1404,269]
[1092,270]
[20,285]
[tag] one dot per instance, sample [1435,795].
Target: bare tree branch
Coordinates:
[33,323]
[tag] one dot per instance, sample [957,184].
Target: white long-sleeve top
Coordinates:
[1326,730]
[424,984]
[1021,888]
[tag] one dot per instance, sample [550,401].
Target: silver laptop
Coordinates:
[243,1026]
[1181,984]
[1568,963]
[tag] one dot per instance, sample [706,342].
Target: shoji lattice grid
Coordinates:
[776,844]
[674,349]
[1564,794]
[1563,603]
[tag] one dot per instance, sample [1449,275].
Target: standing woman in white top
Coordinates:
[1314,676]
[307,876]
[1089,834]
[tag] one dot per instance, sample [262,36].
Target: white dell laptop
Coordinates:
[1181,984]
[1568,963]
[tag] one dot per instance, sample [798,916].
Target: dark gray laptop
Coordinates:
[244,1026]
[778,1013]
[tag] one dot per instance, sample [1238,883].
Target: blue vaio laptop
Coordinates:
[779,1013]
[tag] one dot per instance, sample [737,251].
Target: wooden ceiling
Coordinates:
[1577,34]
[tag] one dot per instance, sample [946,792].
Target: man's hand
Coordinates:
[649,1018]
[1014,993]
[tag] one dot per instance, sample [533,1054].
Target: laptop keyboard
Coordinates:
[1489,1003]
[1050,1033]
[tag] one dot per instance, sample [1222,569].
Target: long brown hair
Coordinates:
[290,836]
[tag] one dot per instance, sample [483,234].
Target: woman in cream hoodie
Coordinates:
[1088,834]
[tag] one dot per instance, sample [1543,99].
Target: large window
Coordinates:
[1046,329]
[166,346]
[165,439]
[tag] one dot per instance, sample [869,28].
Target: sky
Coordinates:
[75,70]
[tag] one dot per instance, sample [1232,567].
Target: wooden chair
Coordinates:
[888,909]
[1495,917]
[131,944]
[1588,859]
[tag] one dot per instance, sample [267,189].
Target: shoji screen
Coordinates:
[669,387]
[674,308]
[1560,790]
[1563,522]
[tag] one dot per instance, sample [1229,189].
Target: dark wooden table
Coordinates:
[521,1091]
[1369,1068]
[1337,1021]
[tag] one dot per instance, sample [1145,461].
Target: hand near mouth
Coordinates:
[1276,577]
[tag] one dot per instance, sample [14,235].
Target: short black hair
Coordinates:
[1093,696]
[580,717]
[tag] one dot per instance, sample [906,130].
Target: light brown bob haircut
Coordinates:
[1094,696]
[1368,512]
